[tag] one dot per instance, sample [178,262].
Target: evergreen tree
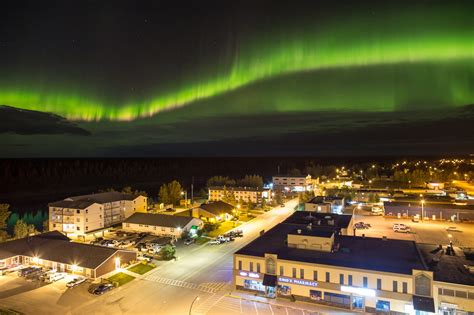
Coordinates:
[20,230]
[4,214]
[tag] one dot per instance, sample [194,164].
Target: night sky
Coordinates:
[169,78]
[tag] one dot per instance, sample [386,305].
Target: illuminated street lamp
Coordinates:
[422,208]
[185,193]
[191,307]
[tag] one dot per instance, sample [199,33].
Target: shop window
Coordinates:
[349,280]
[294,273]
[258,267]
[253,285]
[282,271]
[328,277]
[240,264]
[341,278]
[251,266]
[395,286]
[284,290]
[335,298]
[382,306]
[302,273]
[365,282]
[315,295]
[405,287]
[379,284]
[422,285]
[315,275]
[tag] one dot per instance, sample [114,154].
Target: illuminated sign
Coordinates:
[249,274]
[298,281]
[361,291]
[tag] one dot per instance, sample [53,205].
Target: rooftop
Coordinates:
[217,207]
[291,176]
[331,220]
[84,201]
[428,204]
[55,246]
[446,267]
[312,232]
[396,256]
[158,219]
[237,188]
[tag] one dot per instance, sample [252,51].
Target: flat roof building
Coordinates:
[317,264]
[245,194]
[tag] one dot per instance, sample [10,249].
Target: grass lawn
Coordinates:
[201,240]
[9,312]
[141,269]
[121,278]
[225,226]
[245,218]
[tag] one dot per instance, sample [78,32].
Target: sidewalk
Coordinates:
[303,306]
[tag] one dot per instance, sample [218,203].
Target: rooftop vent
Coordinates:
[299,231]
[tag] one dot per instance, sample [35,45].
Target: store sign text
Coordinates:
[297,281]
[249,274]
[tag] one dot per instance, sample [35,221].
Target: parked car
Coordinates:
[401,228]
[214,242]
[453,229]
[362,225]
[102,288]
[34,274]
[377,211]
[189,241]
[75,282]
[144,258]
[53,277]
[26,271]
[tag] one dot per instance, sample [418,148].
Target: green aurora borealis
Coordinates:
[439,38]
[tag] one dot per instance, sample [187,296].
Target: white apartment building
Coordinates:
[81,215]
[371,275]
[292,183]
[247,194]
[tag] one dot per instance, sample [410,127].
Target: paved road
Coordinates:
[204,271]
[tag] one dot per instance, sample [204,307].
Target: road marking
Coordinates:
[271,309]
[256,309]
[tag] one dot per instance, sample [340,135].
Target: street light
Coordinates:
[191,307]
[185,193]
[422,208]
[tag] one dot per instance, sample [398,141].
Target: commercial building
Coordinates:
[327,204]
[56,251]
[162,224]
[292,183]
[431,210]
[374,275]
[214,211]
[81,215]
[245,194]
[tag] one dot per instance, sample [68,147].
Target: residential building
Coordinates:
[246,194]
[292,183]
[373,275]
[214,211]
[56,251]
[162,224]
[81,215]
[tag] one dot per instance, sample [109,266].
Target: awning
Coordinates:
[423,303]
[269,280]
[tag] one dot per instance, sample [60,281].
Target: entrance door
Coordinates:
[358,303]
[270,292]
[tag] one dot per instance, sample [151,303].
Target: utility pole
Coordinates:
[192,191]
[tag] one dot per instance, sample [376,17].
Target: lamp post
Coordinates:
[191,307]
[185,193]
[422,209]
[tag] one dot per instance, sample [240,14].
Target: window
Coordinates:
[87,220]
[405,287]
[448,292]
[365,282]
[147,226]
[54,225]
[78,211]
[154,228]
[163,229]
[270,266]
[349,280]
[251,266]
[172,229]
[87,211]
[461,294]
[422,285]
[140,225]
[87,228]
[258,267]
[294,273]
[302,273]
[127,224]
[282,271]
[341,278]
[240,264]
[328,278]
[315,275]
[383,306]
[78,219]
[395,286]
[78,228]
[379,284]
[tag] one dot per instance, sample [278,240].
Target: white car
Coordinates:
[401,228]
[53,277]
[76,281]
[377,211]
[215,242]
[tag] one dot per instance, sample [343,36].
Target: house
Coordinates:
[315,264]
[246,194]
[292,183]
[214,211]
[81,215]
[162,224]
[56,251]
[328,204]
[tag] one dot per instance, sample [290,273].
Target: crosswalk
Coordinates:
[210,287]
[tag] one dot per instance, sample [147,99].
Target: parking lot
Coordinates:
[431,232]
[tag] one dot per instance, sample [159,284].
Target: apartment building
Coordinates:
[372,275]
[246,194]
[328,204]
[84,214]
[292,183]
